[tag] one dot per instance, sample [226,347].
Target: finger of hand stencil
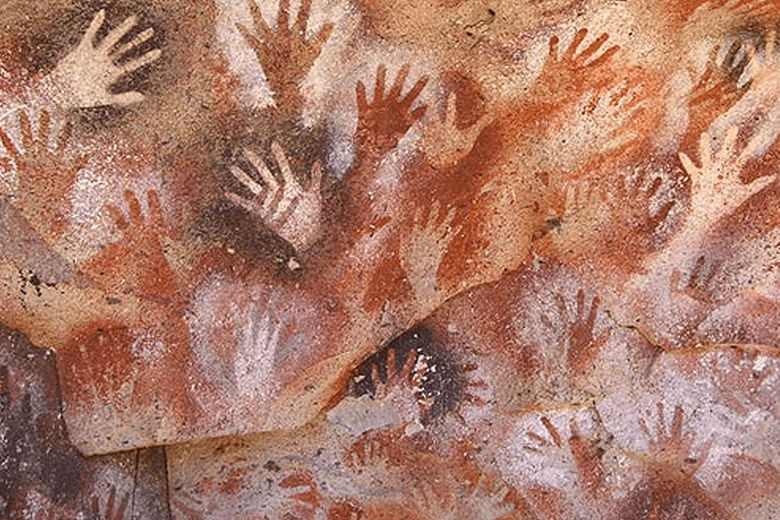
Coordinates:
[262,169]
[770,43]
[282,204]
[110,503]
[44,125]
[284,167]
[759,184]
[688,165]
[132,44]
[117,34]
[379,88]
[303,16]
[450,113]
[445,225]
[26,128]
[120,512]
[417,114]
[604,57]
[661,422]
[322,36]
[572,48]
[136,215]
[360,95]
[155,209]
[125,99]
[433,215]
[416,89]
[727,148]
[316,178]
[560,304]
[398,84]
[731,55]
[580,304]
[593,313]
[392,372]
[705,150]
[240,201]
[270,197]
[94,27]
[375,378]
[553,51]
[260,26]
[553,431]
[283,220]
[64,138]
[145,60]
[118,217]
[283,18]
[411,360]
[9,146]
[246,180]
[591,49]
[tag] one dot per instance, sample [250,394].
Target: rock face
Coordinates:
[42,475]
[357,259]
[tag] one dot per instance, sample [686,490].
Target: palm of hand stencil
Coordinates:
[286,207]
[86,75]
[284,53]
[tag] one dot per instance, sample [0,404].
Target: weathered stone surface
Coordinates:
[401,258]
[42,475]
[516,400]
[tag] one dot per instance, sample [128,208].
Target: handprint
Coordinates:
[674,449]
[402,387]
[423,252]
[444,143]
[713,19]
[759,102]
[255,352]
[109,513]
[85,76]
[613,111]
[45,176]
[584,346]
[489,501]
[540,443]
[585,212]
[696,282]
[589,466]
[716,188]
[745,377]
[288,209]
[561,76]
[602,122]
[284,53]
[383,122]
[301,490]
[136,264]
[717,89]
[649,198]
[372,448]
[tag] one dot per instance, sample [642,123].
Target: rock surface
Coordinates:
[357,259]
[42,475]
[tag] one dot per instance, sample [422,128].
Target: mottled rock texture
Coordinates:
[42,475]
[393,258]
